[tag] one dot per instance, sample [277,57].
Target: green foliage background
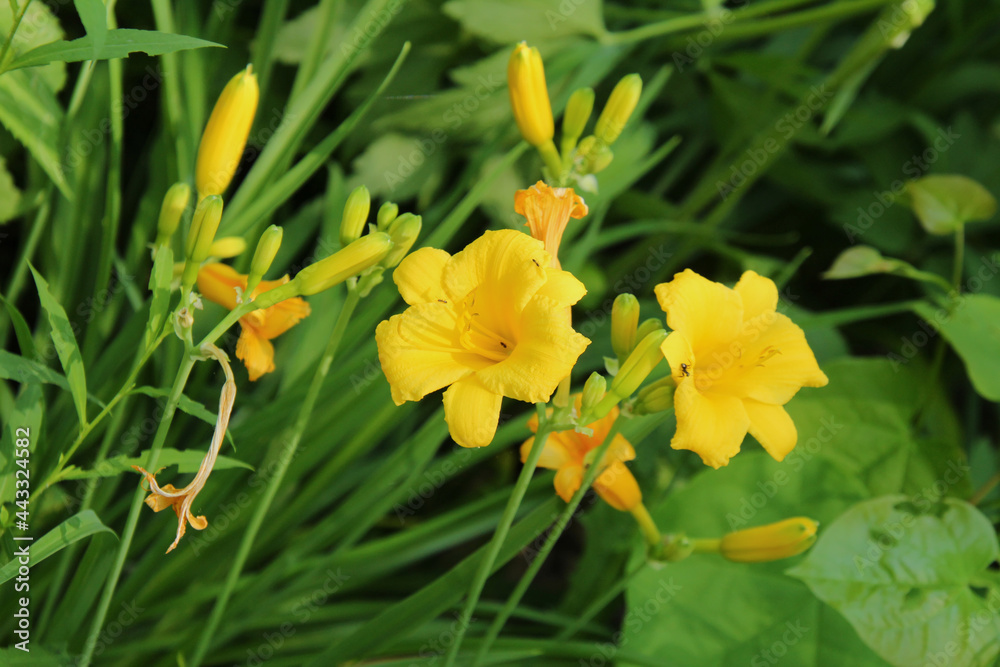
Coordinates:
[771,136]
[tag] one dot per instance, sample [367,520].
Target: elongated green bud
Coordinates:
[593,391]
[639,364]
[647,327]
[267,248]
[657,397]
[404,232]
[204,224]
[619,108]
[355,218]
[386,214]
[578,110]
[341,265]
[174,203]
[624,320]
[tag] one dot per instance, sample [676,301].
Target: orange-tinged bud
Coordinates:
[774,541]
[529,97]
[226,134]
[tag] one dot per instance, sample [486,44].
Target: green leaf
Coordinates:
[65,344]
[69,531]
[94,16]
[943,203]
[120,43]
[187,461]
[901,572]
[10,196]
[38,26]
[706,610]
[21,330]
[509,21]
[863,260]
[159,285]
[972,327]
[30,112]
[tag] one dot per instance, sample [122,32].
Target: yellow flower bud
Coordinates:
[529,97]
[386,214]
[578,109]
[359,203]
[624,320]
[205,223]
[639,364]
[174,203]
[593,391]
[774,541]
[647,327]
[267,248]
[404,232]
[228,246]
[226,134]
[620,106]
[655,398]
[343,264]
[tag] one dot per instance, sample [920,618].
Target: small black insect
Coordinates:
[685,371]
[503,345]
[442,301]
[536,263]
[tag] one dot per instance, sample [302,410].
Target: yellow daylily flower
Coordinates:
[487,322]
[548,211]
[219,282]
[567,452]
[774,541]
[736,362]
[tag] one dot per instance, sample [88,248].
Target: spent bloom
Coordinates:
[548,211]
[219,283]
[567,452]
[736,362]
[487,322]
[226,134]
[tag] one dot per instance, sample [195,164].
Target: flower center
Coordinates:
[477,336]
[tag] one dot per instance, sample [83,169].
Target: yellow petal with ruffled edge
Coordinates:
[562,287]
[772,427]
[472,412]
[502,267]
[618,487]
[709,314]
[420,352]
[545,352]
[759,294]
[282,316]
[256,353]
[710,425]
[419,276]
[677,351]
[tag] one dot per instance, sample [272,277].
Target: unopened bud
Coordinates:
[386,214]
[656,397]
[355,215]
[174,203]
[647,327]
[624,320]
[529,96]
[593,391]
[226,247]
[578,109]
[343,264]
[263,256]
[226,134]
[404,232]
[774,541]
[204,224]
[619,108]
[638,365]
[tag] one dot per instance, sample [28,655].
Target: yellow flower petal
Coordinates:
[546,351]
[759,294]
[710,425]
[256,353]
[619,450]
[281,317]
[556,454]
[562,287]
[618,487]
[502,267]
[420,351]
[472,412]
[709,314]
[419,276]
[568,480]
[548,211]
[677,351]
[218,283]
[773,428]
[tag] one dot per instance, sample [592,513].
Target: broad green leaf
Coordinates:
[38,26]
[187,461]
[972,327]
[69,531]
[159,285]
[65,344]
[119,44]
[19,369]
[192,407]
[943,203]
[509,21]
[94,16]
[30,112]
[865,260]
[21,330]
[398,167]
[901,571]
[708,612]
[10,196]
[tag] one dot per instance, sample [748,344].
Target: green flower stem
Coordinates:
[552,160]
[229,320]
[648,527]
[545,427]
[706,546]
[208,632]
[550,542]
[133,516]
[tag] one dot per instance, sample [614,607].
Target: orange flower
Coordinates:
[567,452]
[219,282]
[548,211]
